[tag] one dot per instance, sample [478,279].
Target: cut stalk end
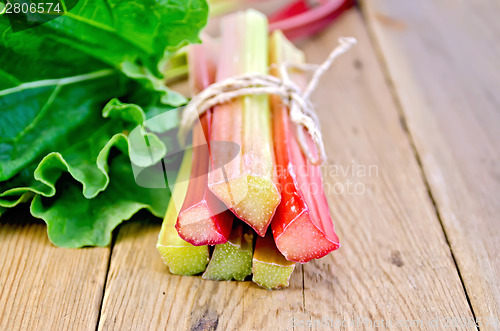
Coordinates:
[199,226]
[251,198]
[232,260]
[270,268]
[181,257]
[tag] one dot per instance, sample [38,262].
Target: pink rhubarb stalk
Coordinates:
[203,219]
[246,183]
[302,226]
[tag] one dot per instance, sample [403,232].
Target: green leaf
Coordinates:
[150,83]
[107,31]
[84,155]
[140,156]
[74,221]
[42,116]
[54,81]
[95,34]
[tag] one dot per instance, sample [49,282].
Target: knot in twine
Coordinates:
[300,107]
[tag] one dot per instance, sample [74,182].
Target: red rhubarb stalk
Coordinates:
[300,19]
[203,219]
[246,183]
[302,226]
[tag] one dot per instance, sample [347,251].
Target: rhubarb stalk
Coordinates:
[204,219]
[270,268]
[181,257]
[246,183]
[302,226]
[232,260]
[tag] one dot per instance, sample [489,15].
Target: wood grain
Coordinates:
[395,263]
[43,287]
[444,65]
[142,295]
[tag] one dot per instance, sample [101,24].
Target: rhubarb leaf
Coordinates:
[83,154]
[47,67]
[74,221]
[45,114]
[54,81]
[108,31]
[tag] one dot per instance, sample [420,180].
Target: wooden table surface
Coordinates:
[416,104]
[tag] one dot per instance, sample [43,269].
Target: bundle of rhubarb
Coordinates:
[257,209]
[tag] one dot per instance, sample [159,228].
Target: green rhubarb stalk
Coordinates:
[270,268]
[177,67]
[181,257]
[221,7]
[232,260]
[247,183]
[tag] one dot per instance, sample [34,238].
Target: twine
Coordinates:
[300,107]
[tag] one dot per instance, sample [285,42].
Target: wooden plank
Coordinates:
[43,287]
[443,59]
[141,294]
[394,264]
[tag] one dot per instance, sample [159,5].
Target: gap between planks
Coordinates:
[404,126]
[113,240]
[440,56]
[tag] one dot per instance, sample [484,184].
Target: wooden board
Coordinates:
[395,263]
[43,287]
[141,294]
[443,59]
